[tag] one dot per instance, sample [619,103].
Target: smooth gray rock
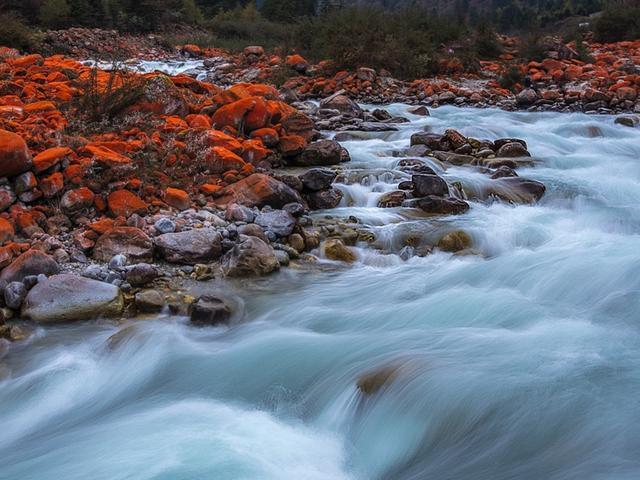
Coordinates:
[191,246]
[277,221]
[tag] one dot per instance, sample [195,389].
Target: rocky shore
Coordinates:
[108,217]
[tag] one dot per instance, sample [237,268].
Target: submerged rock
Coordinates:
[442,206]
[370,383]
[425,184]
[210,310]
[455,241]
[335,249]
[65,297]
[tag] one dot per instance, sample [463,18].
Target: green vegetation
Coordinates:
[15,33]
[619,21]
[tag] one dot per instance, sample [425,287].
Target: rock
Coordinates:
[322,152]
[424,184]
[7,198]
[454,158]
[141,274]
[65,298]
[394,198]
[7,231]
[526,97]
[14,155]
[129,241]
[25,182]
[239,213]
[125,203]
[628,120]
[413,165]
[149,301]
[442,206]
[455,241]
[253,230]
[14,294]
[165,225]
[335,249]
[340,102]
[177,198]
[117,261]
[31,262]
[74,201]
[512,150]
[503,171]
[370,383]
[517,189]
[277,221]
[324,199]
[419,110]
[497,144]
[317,179]
[434,141]
[297,242]
[251,256]
[381,114]
[191,246]
[210,310]
[259,190]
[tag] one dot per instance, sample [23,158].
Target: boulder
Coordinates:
[455,241]
[371,382]
[125,203]
[512,150]
[335,249]
[141,274]
[65,298]
[317,178]
[517,189]
[340,102]
[628,120]
[324,199]
[191,246]
[14,154]
[526,97]
[394,198]
[424,184]
[210,310]
[31,262]
[419,110]
[251,256]
[14,295]
[149,301]
[434,141]
[322,152]
[259,190]
[129,241]
[278,221]
[442,205]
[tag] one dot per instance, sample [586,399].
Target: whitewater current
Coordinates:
[519,361]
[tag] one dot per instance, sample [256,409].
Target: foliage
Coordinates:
[486,42]
[531,48]
[55,13]
[14,33]
[511,77]
[618,22]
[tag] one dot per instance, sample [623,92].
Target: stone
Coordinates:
[165,225]
[424,184]
[14,295]
[66,298]
[210,310]
[7,231]
[628,120]
[239,213]
[31,262]
[149,301]
[277,221]
[25,182]
[512,150]
[317,179]
[251,256]
[517,189]
[190,247]
[526,97]
[391,199]
[259,190]
[324,199]
[123,203]
[454,158]
[371,382]
[297,242]
[7,198]
[14,155]
[177,198]
[129,241]
[419,110]
[74,201]
[141,274]
[322,152]
[117,261]
[455,241]
[253,230]
[343,104]
[442,205]
[335,249]
[434,141]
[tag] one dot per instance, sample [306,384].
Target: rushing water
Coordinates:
[521,361]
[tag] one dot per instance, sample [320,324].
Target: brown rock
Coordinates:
[129,241]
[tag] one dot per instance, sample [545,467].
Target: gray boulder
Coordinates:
[191,246]
[250,257]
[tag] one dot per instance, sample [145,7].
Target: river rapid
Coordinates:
[519,361]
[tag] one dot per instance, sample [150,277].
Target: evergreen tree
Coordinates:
[55,13]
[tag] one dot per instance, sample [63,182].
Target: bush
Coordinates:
[486,41]
[531,48]
[616,24]
[511,77]
[14,33]
[55,13]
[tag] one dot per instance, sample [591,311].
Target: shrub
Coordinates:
[511,77]
[616,24]
[14,33]
[486,41]
[531,48]
[54,13]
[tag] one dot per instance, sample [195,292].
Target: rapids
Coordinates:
[521,361]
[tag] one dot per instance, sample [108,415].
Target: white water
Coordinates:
[521,362]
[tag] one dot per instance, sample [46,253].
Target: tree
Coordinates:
[55,13]
[191,13]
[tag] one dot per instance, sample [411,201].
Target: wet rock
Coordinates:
[250,257]
[322,152]
[455,241]
[259,190]
[129,241]
[413,165]
[429,185]
[454,158]
[297,242]
[442,205]
[526,97]
[317,178]
[335,249]
[64,298]
[191,246]
[434,141]
[141,274]
[628,120]
[395,198]
[517,189]
[381,114]
[14,294]
[324,199]
[31,262]
[499,143]
[14,154]
[210,310]
[419,110]
[370,383]
[343,104]
[513,149]
[149,301]
[277,221]
[418,151]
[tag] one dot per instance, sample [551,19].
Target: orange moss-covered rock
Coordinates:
[49,158]
[125,203]
[52,185]
[106,156]
[6,231]
[268,136]
[14,154]
[220,160]
[217,138]
[177,198]
[248,114]
[291,145]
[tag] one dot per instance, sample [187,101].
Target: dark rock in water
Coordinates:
[349,137]
[370,383]
[149,301]
[419,110]
[129,241]
[343,104]
[322,152]
[425,185]
[191,246]
[442,205]
[628,120]
[325,199]
[344,155]
[526,97]
[504,171]
[395,198]
[454,158]
[31,262]
[500,162]
[398,120]
[141,274]
[418,151]
[406,185]
[372,127]
[335,249]
[14,294]
[434,141]
[210,310]
[455,241]
[513,149]
[294,208]
[517,189]
[497,144]
[64,298]
[381,114]
[250,257]
[413,165]
[456,139]
[318,178]
[277,221]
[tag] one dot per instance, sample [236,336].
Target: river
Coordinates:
[519,361]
